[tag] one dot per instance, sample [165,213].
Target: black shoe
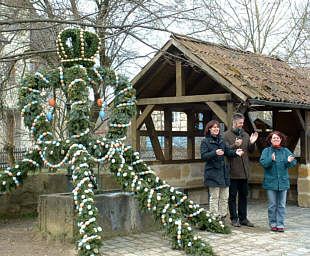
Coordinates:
[235,223]
[246,222]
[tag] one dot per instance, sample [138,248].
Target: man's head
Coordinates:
[237,121]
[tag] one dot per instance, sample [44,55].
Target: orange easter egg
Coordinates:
[51,102]
[99,102]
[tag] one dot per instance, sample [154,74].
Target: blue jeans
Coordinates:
[276,208]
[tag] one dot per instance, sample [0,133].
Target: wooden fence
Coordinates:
[19,154]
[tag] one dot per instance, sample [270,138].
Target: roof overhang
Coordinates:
[159,54]
[210,71]
[279,104]
[195,59]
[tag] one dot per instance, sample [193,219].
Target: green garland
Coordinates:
[84,47]
[81,151]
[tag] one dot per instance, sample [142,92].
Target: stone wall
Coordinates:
[118,214]
[303,185]
[24,200]
[191,174]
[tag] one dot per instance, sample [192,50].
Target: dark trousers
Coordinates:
[240,187]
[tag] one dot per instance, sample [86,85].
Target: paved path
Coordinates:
[243,241]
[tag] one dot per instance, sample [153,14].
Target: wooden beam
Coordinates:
[185,99]
[168,134]
[154,138]
[305,139]
[135,137]
[190,138]
[179,78]
[300,118]
[230,110]
[209,70]
[221,114]
[147,111]
[307,131]
[174,133]
[252,122]
[182,108]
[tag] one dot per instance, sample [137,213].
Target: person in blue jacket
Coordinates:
[216,173]
[276,159]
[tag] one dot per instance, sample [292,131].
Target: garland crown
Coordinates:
[77,47]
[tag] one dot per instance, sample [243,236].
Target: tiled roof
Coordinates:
[257,76]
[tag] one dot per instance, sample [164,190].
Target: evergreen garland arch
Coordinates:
[81,151]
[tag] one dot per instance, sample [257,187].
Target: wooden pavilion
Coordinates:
[195,77]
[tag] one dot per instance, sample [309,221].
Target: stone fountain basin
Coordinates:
[119,214]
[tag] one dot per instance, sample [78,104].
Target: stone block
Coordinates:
[304,199]
[304,171]
[197,171]
[24,200]
[303,184]
[108,182]
[194,182]
[199,196]
[118,215]
[56,214]
[185,172]
[168,172]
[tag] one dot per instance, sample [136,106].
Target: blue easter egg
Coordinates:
[101,114]
[49,116]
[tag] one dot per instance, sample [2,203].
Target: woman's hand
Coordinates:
[273,156]
[290,158]
[239,152]
[220,152]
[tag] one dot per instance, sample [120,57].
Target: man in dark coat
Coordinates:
[236,137]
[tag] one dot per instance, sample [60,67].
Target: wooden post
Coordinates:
[154,138]
[274,119]
[308,135]
[190,136]
[135,136]
[168,134]
[179,77]
[217,109]
[146,112]
[230,110]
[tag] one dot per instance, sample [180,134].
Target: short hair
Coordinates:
[280,134]
[237,116]
[209,125]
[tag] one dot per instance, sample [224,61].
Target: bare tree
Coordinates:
[261,26]
[132,31]
[126,29]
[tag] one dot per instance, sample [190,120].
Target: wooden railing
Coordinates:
[19,154]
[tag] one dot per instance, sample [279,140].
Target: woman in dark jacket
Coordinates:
[216,175]
[276,159]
